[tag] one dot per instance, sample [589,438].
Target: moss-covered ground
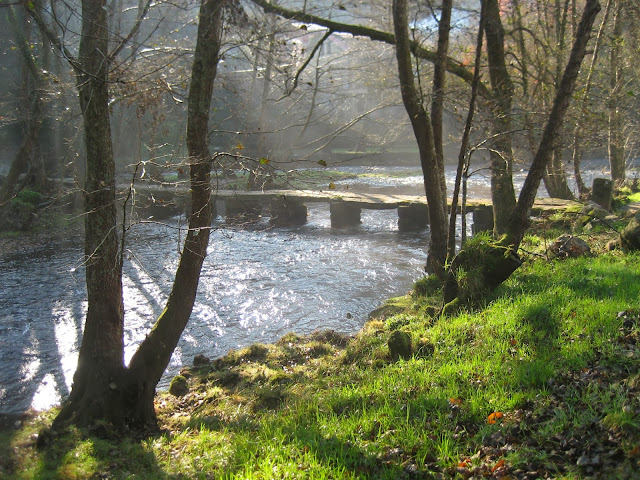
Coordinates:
[542,381]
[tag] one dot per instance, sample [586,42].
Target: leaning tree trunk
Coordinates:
[423,132]
[491,264]
[501,155]
[96,383]
[152,357]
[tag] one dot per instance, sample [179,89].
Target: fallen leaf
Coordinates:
[499,464]
[492,418]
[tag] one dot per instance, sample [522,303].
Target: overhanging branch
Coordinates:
[453,66]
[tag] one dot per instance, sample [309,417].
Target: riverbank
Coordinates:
[542,382]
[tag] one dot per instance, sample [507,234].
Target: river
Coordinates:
[257,284]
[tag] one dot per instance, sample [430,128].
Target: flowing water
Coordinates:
[257,284]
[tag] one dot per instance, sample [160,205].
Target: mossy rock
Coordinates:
[400,345]
[476,271]
[179,386]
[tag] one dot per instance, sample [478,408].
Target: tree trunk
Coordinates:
[616,137]
[463,161]
[519,221]
[439,82]
[28,156]
[423,132]
[556,176]
[152,357]
[576,155]
[501,155]
[97,381]
[491,264]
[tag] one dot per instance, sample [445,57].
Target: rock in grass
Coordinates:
[568,246]
[178,386]
[630,236]
[400,345]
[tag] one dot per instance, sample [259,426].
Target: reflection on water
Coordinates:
[257,284]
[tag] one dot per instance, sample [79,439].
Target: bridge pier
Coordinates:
[412,217]
[344,214]
[238,210]
[482,219]
[285,212]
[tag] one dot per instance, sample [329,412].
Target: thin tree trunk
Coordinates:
[576,154]
[464,143]
[616,138]
[27,157]
[502,191]
[439,83]
[491,265]
[423,132]
[152,357]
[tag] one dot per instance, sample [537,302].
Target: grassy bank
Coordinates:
[542,382]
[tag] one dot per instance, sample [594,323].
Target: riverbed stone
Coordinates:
[16,216]
[200,360]
[400,345]
[344,214]
[412,217]
[591,213]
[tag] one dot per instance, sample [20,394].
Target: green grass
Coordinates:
[544,379]
[634,197]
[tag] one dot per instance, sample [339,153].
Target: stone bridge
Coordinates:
[289,207]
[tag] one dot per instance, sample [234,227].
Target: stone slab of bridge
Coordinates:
[289,207]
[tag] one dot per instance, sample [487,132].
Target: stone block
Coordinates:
[482,219]
[241,209]
[412,217]
[344,214]
[602,192]
[285,212]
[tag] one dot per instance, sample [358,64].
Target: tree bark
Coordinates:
[423,132]
[152,357]
[439,83]
[96,383]
[501,155]
[616,137]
